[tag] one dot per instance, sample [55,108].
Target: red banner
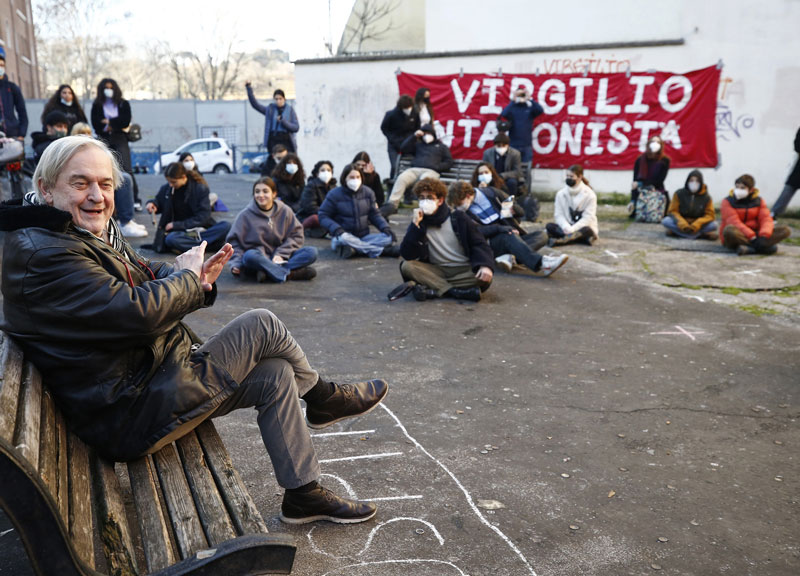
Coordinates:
[601,121]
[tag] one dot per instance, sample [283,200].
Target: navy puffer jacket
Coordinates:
[346,211]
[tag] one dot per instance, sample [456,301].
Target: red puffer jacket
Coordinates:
[750,215]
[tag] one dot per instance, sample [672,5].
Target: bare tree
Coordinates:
[372,22]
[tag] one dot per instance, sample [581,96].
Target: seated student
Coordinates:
[444,253]
[188,162]
[290,178]
[575,211]
[347,213]
[319,184]
[186,212]
[746,225]
[506,161]
[372,179]
[509,241]
[274,158]
[691,212]
[267,239]
[650,171]
[55,126]
[431,158]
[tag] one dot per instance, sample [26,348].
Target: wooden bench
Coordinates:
[461,170]
[190,511]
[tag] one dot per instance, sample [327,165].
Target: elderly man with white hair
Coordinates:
[104,326]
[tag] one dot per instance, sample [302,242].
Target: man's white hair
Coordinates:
[56,156]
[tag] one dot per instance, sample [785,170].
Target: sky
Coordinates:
[300,27]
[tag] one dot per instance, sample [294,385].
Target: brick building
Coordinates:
[17,38]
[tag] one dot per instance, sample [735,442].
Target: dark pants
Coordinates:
[180,241]
[393,154]
[512,185]
[518,247]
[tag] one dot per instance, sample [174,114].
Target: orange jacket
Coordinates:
[750,215]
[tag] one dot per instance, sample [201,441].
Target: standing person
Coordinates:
[108,326]
[423,107]
[347,213]
[521,112]
[290,178]
[398,124]
[746,224]
[280,124]
[792,183]
[691,212]
[65,102]
[650,171]
[319,184]
[372,179]
[13,114]
[431,158]
[575,211]
[267,239]
[111,115]
[186,212]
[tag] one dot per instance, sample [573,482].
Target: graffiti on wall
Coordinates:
[731,124]
[587,64]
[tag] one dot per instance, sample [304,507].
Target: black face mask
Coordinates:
[570,182]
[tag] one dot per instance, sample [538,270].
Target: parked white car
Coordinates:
[210,154]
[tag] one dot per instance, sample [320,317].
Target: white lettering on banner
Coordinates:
[577,108]
[558,97]
[638,106]
[645,126]
[552,139]
[571,139]
[670,133]
[492,84]
[444,134]
[594,147]
[468,124]
[489,132]
[620,142]
[517,83]
[462,101]
[678,82]
[603,107]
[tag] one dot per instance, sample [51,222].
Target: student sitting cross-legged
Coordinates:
[691,212]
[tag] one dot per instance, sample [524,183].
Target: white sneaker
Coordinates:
[132,230]
[506,262]
[135,223]
[552,263]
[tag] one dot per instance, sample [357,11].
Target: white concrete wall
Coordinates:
[341,105]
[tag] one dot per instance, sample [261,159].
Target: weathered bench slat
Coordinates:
[29,425]
[62,498]
[11,376]
[210,507]
[81,527]
[48,453]
[183,515]
[244,514]
[112,520]
[158,550]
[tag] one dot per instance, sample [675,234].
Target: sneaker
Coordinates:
[422,293]
[552,263]
[137,206]
[391,251]
[345,251]
[402,290]
[132,230]
[505,262]
[348,400]
[744,250]
[319,503]
[307,273]
[261,277]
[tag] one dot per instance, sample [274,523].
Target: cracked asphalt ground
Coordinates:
[635,413]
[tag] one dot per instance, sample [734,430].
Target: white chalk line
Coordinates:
[406,561]
[350,492]
[353,433]
[467,495]
[384,498]
[4,532]
[372,535]
[362,457]
[681,332]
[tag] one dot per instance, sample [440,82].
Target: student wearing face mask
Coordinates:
[319,184]
[510,243]
[506,161]
[444,253]
[575,212]
[290,178]
[267,239]
[398,124]
[65,102]
[346,214]
[521,112]
[185,212]
[13,114]
[280,123]
[273,159]
[55,127]
[431,158]
[746,224]
[372,179]
[423,107]
[649,171]
[691,212]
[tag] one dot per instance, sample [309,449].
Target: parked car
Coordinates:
[254,163]
[210,154]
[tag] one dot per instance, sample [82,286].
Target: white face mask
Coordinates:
[654,147]
[291,168]
[485,178]
[694,186]
[354,183]
[189,164]
[521,99]
[108,93]
[407,111]
[465,206]
[428,138]
[2,71]
[428,206]
[501,150]
[65,103]
[324,175]
[740,193]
